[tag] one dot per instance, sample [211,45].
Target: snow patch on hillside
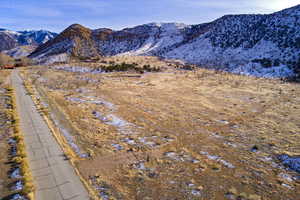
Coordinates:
[255,69]
[236,60]
[47,60]
[21,51]
[256,45]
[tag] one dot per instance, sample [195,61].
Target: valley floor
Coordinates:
[176,134]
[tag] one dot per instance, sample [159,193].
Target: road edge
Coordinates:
[58,137]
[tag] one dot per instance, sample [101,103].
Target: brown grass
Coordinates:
[5,133]
[185,112]
[69,153]
[11,130]
[21,157]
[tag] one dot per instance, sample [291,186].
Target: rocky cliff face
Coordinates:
[260,45]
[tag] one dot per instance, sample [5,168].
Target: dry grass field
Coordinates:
[175,134]
[5,133]
[15,177]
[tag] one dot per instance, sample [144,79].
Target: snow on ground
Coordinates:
[255,69]
[70,139]
[160,36]
[291,162]
[20,52]
[93,100]
[236,60]
[218,159]
[47,60]
[80,69]
[18,186]
[121,125]
[16,173]
[18,197]
[182,156]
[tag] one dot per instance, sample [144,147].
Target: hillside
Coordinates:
[20,51]
[12,39]
[260,45]
[75,41]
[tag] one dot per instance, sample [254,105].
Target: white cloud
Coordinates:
[277,5]
[240,6]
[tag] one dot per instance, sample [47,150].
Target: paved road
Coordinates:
[54,176]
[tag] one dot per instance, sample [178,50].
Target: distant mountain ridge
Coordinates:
[12,39]
[259,45]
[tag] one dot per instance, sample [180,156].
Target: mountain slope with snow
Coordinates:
[260,45]
[75,41]
[20,51]
[12,39]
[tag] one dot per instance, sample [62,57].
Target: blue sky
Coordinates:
[56,15]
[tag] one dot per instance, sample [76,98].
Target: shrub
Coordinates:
[24,61]
[17,160]
[129,67]
[188,67]
[277,62]
[265,62]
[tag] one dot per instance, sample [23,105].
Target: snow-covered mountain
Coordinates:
[12,39]
[260,45]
